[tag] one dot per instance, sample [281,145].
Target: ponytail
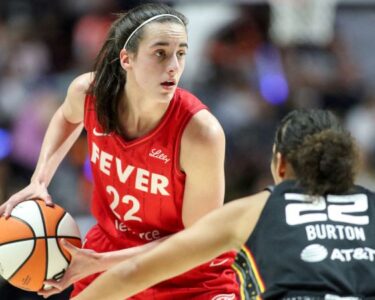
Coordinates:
[322,153]
[108,84]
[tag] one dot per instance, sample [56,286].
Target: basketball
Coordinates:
[30,249]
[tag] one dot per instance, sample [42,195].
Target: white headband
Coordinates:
[148,21]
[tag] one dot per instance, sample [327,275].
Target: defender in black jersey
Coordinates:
[304,248]
[311,237]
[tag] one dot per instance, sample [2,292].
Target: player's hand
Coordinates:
[84,262]
[32,191]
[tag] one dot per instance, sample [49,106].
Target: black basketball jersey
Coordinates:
[303,248]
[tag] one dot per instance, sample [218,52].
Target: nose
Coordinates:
[173,65]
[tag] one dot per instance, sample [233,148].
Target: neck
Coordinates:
[139,114]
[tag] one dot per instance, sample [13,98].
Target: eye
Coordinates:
[160,53]
[181,54]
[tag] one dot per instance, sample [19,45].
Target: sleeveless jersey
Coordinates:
[138,185]
[138,194]
[311,249]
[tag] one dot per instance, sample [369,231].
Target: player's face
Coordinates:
[160,60]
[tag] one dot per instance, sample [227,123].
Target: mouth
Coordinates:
[168,83]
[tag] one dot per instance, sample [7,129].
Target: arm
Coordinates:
[202,159]
[107,260]
[85,262]
[222,230]
[63,130]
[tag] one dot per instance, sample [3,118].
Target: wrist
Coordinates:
[39,178]
[42,172]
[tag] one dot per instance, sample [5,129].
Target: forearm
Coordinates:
[183,251]
[59,138]
[110,259]
[103,286]
[134,275]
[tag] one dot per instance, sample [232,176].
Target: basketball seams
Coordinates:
[43,238]
[45,232]
[31,227]
[27,224]
[20,240]
[25,261]
[58,244]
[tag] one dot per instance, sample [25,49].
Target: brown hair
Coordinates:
[322,153]
[110,78]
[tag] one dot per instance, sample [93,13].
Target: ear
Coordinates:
[125,59]
[281,165]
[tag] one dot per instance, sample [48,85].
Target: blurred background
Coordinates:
[250,61]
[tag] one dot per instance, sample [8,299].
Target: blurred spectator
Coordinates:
[88,36]
[246,79]
[359,121]
[31,121]
[324,76]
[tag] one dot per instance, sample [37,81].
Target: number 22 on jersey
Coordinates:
[131,201]
[351,209]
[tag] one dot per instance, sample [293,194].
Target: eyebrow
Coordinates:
[167,44]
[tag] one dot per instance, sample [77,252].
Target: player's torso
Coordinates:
[312,249]
[138,186]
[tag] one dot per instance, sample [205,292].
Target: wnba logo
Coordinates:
[224,297]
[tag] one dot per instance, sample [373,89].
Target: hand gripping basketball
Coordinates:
[34,190]
[84,262]
[31,251]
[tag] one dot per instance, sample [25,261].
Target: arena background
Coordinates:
[249,61]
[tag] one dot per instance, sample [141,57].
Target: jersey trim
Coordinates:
[269,188]
[251,283]
[241,279]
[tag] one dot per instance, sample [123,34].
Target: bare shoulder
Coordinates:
[81,83]
[73,106]
[203,143]
[204,128]
[247,211]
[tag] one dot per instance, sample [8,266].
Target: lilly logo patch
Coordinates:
[157,153]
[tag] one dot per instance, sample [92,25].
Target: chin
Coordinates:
[166,97]
[168,92]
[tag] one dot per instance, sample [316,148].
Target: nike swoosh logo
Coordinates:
[97,133]
[219,263]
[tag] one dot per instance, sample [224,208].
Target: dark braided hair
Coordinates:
[109,80]
[322,153]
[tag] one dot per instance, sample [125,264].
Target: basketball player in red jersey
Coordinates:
[156,152]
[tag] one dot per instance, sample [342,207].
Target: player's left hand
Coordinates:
[84,262]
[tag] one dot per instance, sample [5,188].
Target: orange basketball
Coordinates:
[30,249]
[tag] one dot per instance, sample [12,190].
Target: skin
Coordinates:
[160,58]
[191,247]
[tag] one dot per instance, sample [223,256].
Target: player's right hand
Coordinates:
[33,191]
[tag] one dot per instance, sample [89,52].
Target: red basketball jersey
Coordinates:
[138,194]
[138,185]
